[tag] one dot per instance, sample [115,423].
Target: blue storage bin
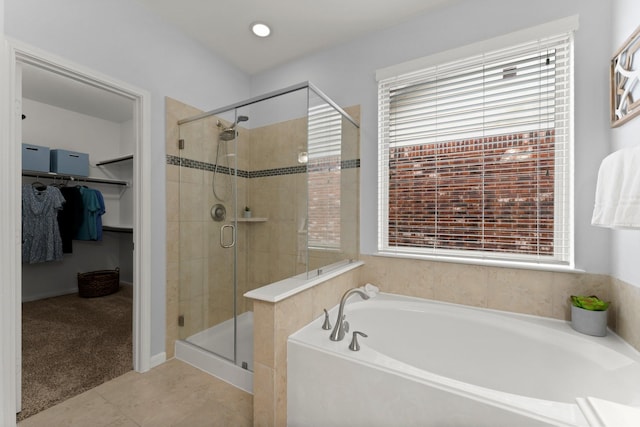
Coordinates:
[35,158]
[69,162]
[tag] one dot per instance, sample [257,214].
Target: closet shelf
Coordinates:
[115,160]
[117,229]
[53,175]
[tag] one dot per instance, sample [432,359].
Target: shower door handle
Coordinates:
[233,236]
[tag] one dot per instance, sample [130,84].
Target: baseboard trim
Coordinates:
[158,359]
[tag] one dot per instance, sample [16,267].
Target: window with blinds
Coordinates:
[323,168]
[475,156]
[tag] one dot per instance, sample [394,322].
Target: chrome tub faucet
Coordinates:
[342,326]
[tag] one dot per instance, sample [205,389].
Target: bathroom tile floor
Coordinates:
[172,394]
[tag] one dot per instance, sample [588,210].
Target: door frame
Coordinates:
[13,53]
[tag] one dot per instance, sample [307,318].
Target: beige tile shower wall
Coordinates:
[199,280]
[174,111]
[193,292]
[273,323]
[274,245]
[173,255]
[275,252]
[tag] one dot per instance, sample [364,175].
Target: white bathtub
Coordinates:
[427,363]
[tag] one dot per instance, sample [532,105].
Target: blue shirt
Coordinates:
[88,228]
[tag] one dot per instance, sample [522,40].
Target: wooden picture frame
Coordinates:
[625,81]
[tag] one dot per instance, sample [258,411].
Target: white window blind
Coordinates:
[324,165]
[475,156]
[325,132]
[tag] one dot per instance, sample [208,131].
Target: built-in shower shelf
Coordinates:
[253,219]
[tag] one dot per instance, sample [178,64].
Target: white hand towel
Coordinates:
[617,203]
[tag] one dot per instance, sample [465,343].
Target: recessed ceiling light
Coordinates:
[260,29]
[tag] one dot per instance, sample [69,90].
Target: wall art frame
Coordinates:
[625,81]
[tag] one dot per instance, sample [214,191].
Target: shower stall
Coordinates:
[268,190]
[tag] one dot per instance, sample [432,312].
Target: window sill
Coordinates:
[484,262]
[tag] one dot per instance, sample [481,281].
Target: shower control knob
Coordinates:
[218,212]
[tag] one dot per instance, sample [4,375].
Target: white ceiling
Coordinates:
[299,27]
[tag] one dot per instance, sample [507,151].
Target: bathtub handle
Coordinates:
[327,324]
[354,346]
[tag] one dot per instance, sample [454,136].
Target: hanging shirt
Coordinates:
[41,240]
[101,211]
[91,205]
[70,217]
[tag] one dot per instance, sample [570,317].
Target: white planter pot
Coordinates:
[589,322]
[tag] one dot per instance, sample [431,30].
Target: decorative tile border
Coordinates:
[291,170]
[350,164]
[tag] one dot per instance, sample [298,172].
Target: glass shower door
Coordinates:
[208,235]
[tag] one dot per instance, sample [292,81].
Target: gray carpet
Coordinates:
[72,344]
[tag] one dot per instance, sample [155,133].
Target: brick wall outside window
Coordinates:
[324,202]
[491,194]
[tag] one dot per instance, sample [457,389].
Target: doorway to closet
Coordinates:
[66,109]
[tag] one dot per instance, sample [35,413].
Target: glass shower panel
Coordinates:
[276,190]
[332,184]
[268,190]
[350,186]
[208,234]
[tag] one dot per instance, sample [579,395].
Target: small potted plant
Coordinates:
[247,212]
[589,315]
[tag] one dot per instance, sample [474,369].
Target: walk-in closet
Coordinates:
[74,338]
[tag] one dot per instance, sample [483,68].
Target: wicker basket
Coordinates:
[98,283]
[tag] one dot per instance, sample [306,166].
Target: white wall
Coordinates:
[625,245]
[347,75]
[121,39]
[55,127]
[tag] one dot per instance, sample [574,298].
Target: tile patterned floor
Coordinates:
[173,394]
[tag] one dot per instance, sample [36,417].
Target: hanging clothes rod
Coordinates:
[53,175]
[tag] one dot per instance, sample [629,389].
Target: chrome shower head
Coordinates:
[227,134]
